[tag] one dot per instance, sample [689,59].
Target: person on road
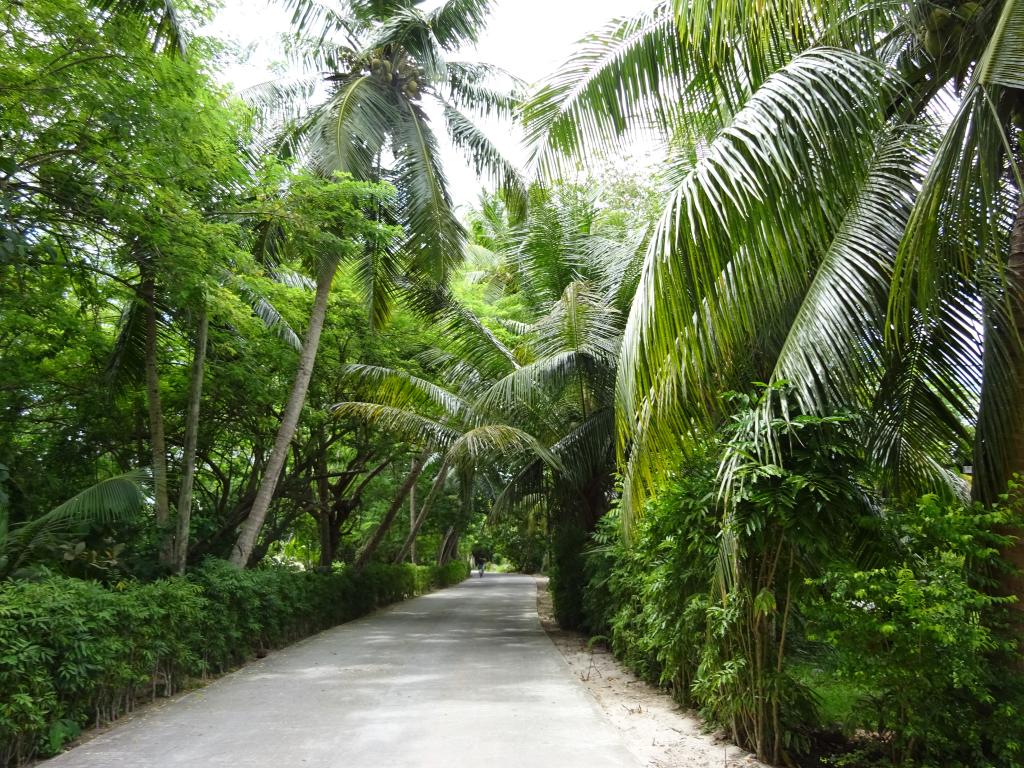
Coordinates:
[479,560]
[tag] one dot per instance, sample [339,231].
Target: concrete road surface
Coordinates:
[461,677]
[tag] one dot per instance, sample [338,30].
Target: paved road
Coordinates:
[461,677]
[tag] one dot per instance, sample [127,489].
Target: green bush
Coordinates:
[650,595]
[452,573]
[521,542]
[75,653]
[897,633]
[926,642]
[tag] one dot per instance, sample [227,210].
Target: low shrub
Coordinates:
[522,543]
[925,642]
[899,655]
[452,573]
[74,653]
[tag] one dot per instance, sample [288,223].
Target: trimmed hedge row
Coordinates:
[75,653]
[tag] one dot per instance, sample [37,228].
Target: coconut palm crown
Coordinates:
[384,76]
[846,190]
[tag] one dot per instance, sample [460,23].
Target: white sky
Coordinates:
[528,38]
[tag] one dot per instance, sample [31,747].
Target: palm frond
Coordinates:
[266,312]
[281,101]
[399,389]
[927,401]
[434,235]
[116,499]
[323,17]
[465,334]
[486,159]
[527,489]
[618,80]
[959,234]
[456,23]
[588,449]
[580,321]
[408,28]
[403,424]
[478,87]
[833,344]
[531,384]
[491,443]
[735,247]
[126,363]
[350,130]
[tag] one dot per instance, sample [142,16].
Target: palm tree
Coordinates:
[465,441]
[385,67]
[382,60]
[846,216]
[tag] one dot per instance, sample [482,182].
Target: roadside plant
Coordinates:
[922,637]
[25,544]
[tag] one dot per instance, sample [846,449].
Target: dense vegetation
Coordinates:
[759,415]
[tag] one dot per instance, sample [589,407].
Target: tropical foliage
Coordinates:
[757,413]
[381,65]
[841,224]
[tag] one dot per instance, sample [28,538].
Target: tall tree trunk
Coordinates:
[326,535]
[442,475]
[449,547]
[157,442]
[389,517]
[323,517]
[250,530]
[996,461]
[188,468]
[412,521]
[442,551]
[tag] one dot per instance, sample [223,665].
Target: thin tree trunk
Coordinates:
[442,475]
[389,517]
[157,442]
[324,513]
[250,530]
[188,469]
[449,548]
[442,551]
[412,521]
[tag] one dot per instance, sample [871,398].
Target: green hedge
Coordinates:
[75,653]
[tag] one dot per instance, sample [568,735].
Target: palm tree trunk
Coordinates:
[157,441]
[408,487]
[995,461]
[449,547]
[251,527]
[442,475]
[188,468]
